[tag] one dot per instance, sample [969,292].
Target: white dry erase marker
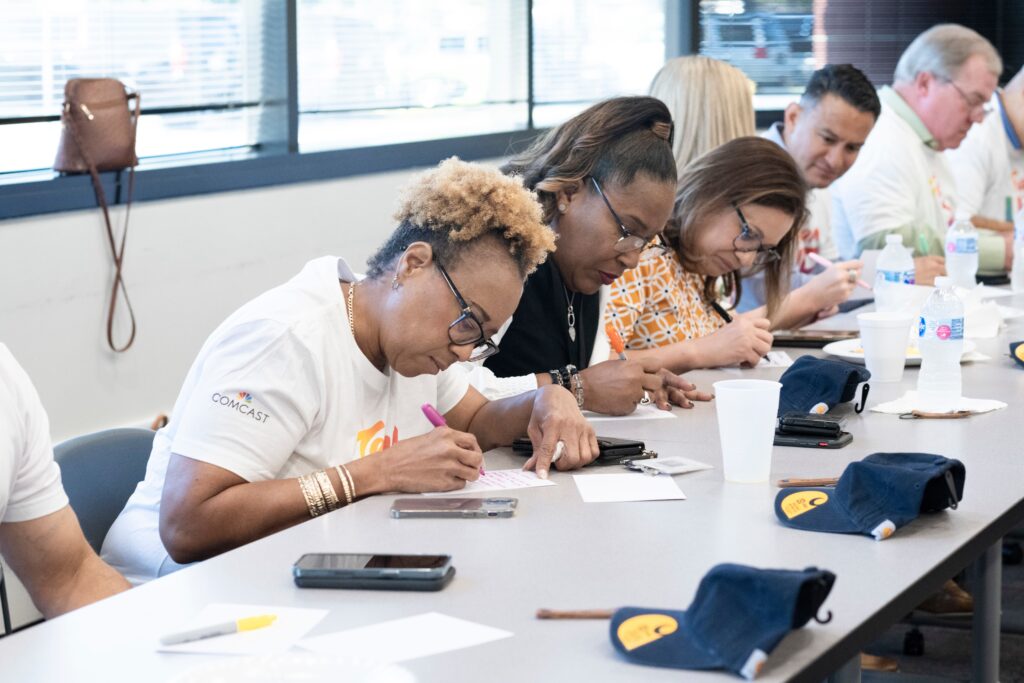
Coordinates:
[226,628]
[558,452]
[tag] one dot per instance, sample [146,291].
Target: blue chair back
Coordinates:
[100,471]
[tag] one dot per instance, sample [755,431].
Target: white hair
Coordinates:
[942,50]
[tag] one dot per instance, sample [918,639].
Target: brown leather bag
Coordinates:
[98,134]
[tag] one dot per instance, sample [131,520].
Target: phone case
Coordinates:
[384,584]
[614,451]
[456,508]
[813,440]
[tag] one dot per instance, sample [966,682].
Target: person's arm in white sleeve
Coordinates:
[493,387]
[39,534]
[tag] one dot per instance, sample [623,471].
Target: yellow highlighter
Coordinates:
[226,628]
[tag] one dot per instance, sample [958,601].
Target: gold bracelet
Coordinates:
[327,489]
[344,484]
[351,482]
[314,500]
[318,495]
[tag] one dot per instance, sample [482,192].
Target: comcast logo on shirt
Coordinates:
[242,403]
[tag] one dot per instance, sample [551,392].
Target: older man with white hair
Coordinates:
[902,183]
[989,165]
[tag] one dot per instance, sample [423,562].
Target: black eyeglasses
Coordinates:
[750,242]
[627,241]
[972,105]
[467,330]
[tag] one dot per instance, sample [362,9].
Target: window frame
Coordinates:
[280,162]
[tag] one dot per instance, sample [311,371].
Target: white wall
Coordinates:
[189,263]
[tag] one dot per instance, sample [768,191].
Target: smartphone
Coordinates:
[813,440]
[613,451]
[811,338]
[373,571]
[810,424]
[854,304]
[461,508]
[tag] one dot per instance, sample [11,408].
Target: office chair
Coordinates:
[100,471]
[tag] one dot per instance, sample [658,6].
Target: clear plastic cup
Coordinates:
[883,337]
[746,410]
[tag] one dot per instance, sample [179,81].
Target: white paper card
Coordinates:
[648,412]
[400,640]
[775,359]
[292,624]
[498,480]
[628,487]
[674,464]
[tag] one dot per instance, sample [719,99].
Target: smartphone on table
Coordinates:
[373,571]
[460,508]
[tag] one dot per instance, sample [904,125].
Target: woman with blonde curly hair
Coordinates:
[309,397]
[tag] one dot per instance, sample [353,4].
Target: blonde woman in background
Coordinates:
[712,103]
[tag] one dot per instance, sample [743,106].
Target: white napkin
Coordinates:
[909,402]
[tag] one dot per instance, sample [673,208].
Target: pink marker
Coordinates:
[825,263]
[437,419]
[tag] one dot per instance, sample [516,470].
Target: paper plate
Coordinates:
[850,349]
[296,668]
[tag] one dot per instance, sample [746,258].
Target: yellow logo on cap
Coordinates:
[1019,352]
[645,628]
[796,504]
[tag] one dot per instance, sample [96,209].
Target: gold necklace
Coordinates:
[351,323]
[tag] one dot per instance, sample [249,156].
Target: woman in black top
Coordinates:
[606,182]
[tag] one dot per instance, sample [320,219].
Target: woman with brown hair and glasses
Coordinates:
[309,396]
[737,210]
[616,153]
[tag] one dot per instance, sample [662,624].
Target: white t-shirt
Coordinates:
[988,170]
[279,390]
[897,181]
[30,485]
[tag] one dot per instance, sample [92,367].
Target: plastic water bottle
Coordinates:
[962,253]
[1017,272]
[894,268]
[941,341]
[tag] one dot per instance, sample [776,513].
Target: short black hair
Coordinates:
[847,82]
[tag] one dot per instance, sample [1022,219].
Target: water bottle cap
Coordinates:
[943,282]
[894,239]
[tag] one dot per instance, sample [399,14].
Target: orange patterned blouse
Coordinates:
[659,303]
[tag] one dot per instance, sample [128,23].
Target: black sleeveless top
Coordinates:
[538,338]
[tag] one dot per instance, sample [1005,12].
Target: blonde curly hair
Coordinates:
[458,203]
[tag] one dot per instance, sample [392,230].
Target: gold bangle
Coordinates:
[314,501]
[327,489]
[345,487]
[351,482]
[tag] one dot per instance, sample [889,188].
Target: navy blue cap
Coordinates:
[817,385]
[1017,352]
[736,619]
[875,496]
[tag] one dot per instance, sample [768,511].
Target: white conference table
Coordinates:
[559,552]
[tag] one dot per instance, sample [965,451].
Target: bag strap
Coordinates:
[117,251]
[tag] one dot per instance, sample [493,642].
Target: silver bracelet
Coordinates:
[577,384]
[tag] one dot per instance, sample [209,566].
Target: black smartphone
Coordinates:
[811,424]
[613,451]
[811,338]
[813,440]
[854,304]
[373,571]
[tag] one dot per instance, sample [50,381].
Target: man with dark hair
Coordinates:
[823,132]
